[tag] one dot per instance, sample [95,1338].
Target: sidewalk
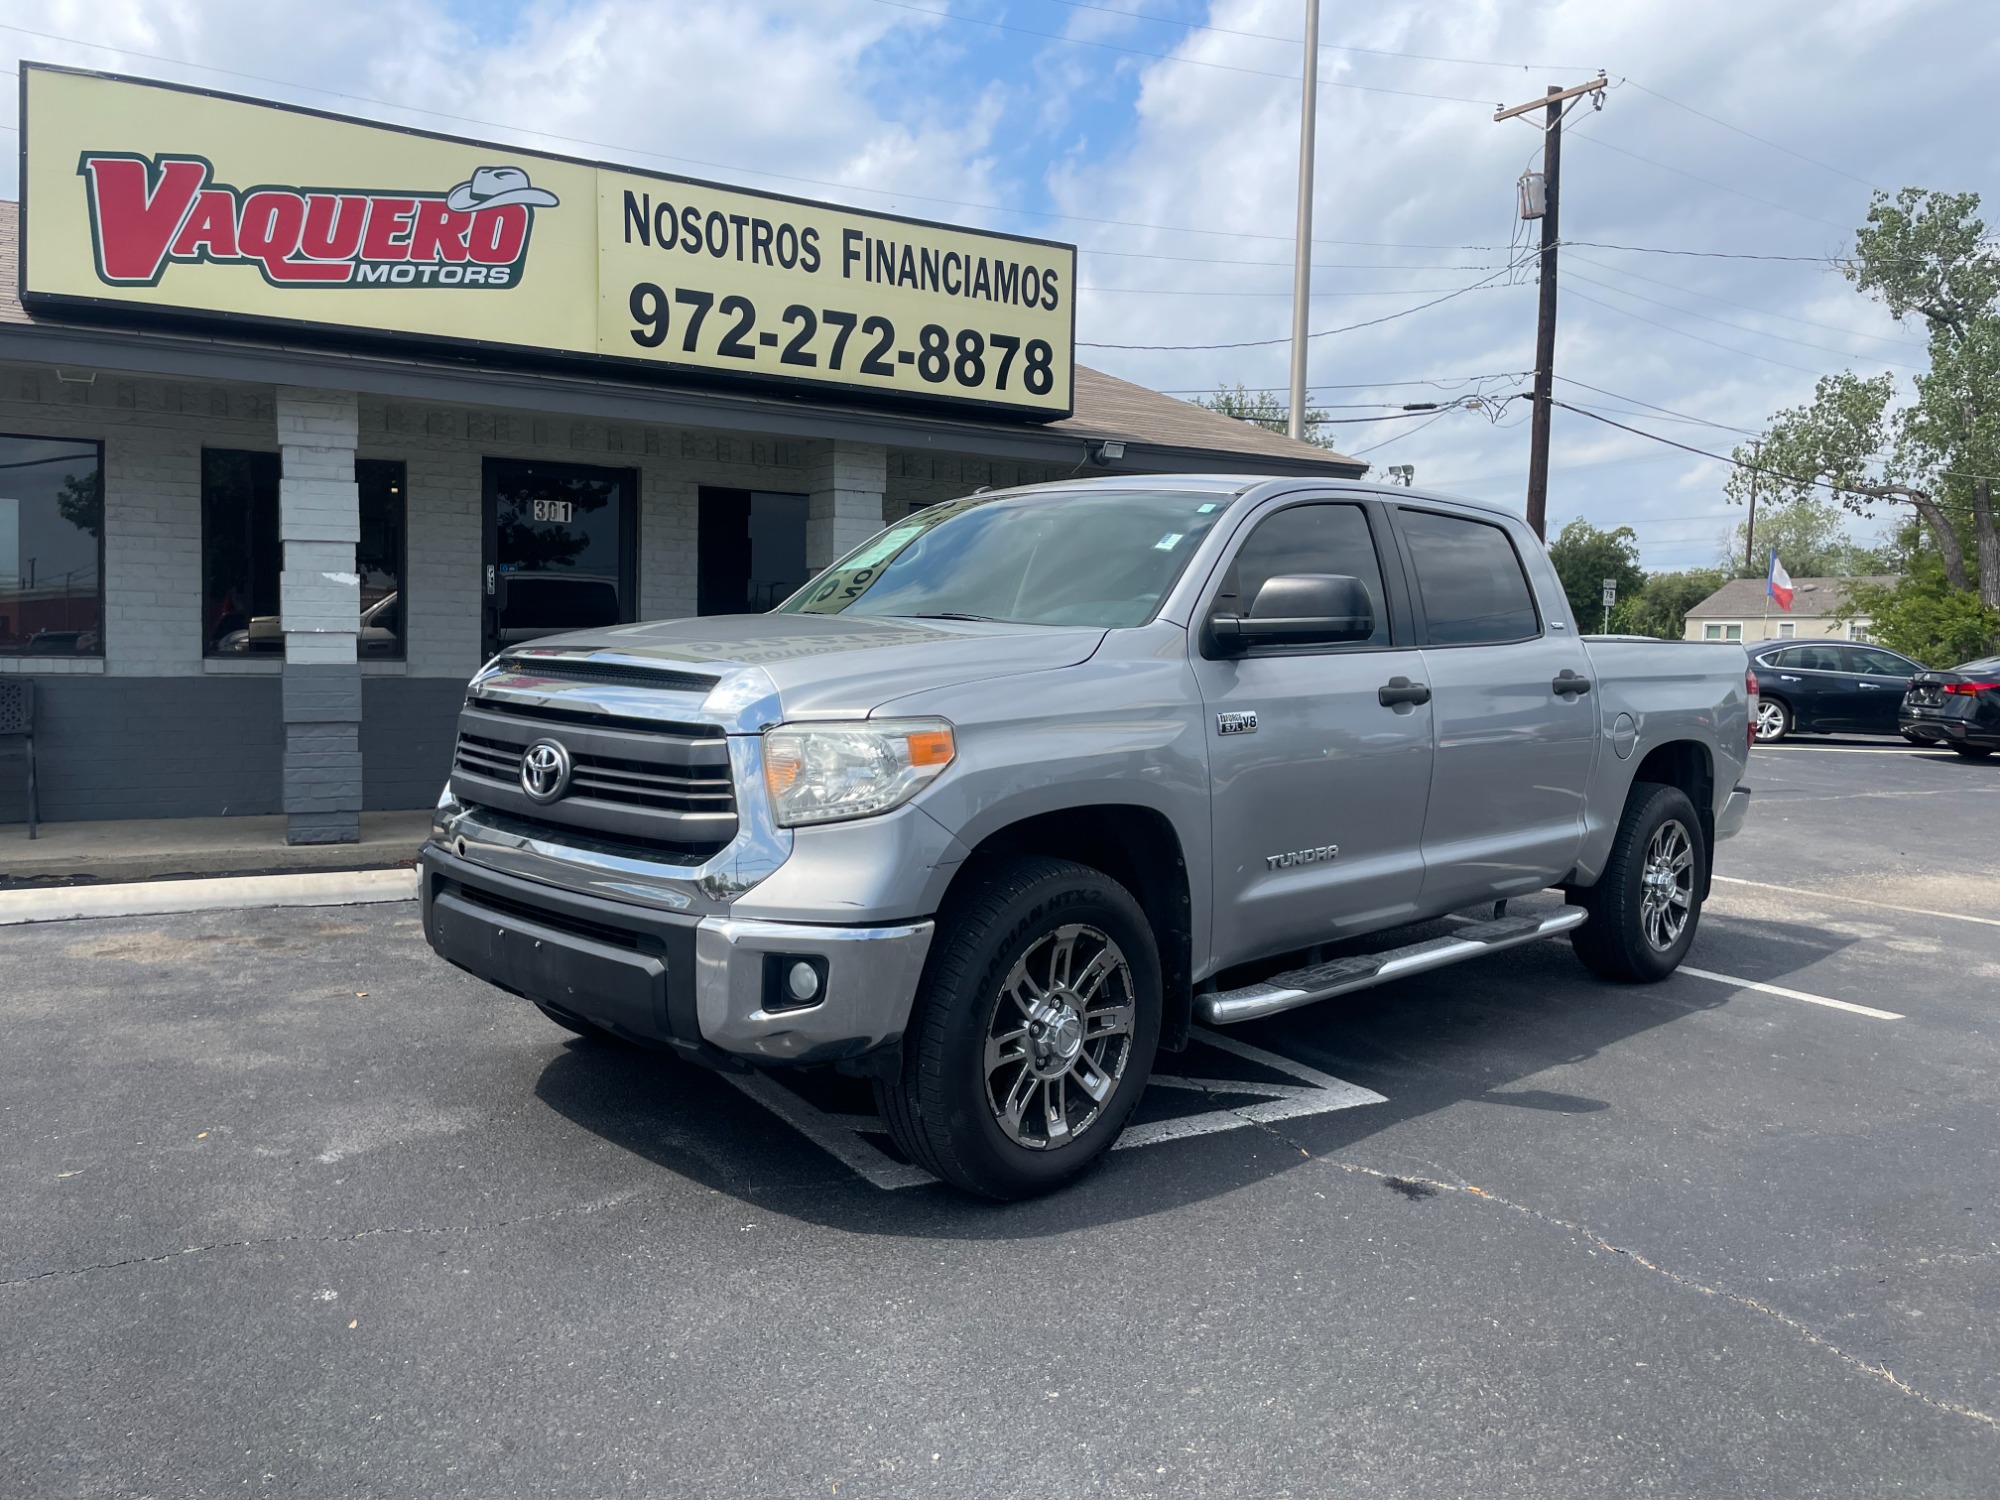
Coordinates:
[152,848]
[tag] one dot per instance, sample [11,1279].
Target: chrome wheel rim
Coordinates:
[1059,1037]
[1666,892]
[1770,721]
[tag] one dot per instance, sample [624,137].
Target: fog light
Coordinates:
[794,981]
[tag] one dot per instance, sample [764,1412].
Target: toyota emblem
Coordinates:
[545,770]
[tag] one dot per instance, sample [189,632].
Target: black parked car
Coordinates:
[1959,708]
[1827,687]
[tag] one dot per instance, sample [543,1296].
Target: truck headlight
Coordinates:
[821,773]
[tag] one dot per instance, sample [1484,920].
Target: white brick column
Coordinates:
[319,521]
[846,482]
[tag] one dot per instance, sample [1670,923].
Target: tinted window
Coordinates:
[752,550]
[51,527]
[1880,663]
[1306,539]
[1470,579]
[242,555]
[1816,659]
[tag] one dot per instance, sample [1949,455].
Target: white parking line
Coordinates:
[1777,989]
[154,898]
[1915,911]
[844,1137]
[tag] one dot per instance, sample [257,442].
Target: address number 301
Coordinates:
[968,357]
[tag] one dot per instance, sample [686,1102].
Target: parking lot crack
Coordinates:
[1417,1189]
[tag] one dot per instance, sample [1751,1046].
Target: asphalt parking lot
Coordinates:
[291,1208]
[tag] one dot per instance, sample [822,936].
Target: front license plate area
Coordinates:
[623,990]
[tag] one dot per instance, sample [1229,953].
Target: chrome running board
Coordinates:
[1339,976]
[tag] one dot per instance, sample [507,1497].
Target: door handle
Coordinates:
[1569,685]
[1401,690]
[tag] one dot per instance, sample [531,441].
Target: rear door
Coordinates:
[1318,788]
[1514,711]
[1881,678]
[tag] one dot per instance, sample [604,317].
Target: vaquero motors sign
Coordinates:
[178,203]
[146,215]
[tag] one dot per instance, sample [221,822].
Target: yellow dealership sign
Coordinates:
[177,202]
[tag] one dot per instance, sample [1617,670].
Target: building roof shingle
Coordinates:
[1813,598]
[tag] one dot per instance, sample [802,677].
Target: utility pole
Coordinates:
[1750,526]
[1302,256]
[1545,321]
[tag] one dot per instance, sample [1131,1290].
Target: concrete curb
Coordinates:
[158,897]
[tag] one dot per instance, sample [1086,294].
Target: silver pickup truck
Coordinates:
[1011,797]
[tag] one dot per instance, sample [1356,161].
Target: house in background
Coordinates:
[1743,610]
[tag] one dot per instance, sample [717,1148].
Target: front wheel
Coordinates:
[1033,1034]
[1646,905]
[1774,721]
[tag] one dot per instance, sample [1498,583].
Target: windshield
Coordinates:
[1053,557]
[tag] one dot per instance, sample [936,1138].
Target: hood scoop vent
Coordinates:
[625,674]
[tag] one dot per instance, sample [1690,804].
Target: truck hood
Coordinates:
[826,666]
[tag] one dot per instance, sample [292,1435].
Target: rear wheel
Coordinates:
[1774,721]
[1645,907]
[1033,1034]
[1973,752]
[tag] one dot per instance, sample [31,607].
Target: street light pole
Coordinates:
[1302,256]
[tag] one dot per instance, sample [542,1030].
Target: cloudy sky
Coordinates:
[1733,157]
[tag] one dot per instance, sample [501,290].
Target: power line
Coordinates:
[1746,306]
[1169,291]
[1401,435]
[1817,260]
[1665,410]
[1742,328]
[1322,333]
[1711,182]
[1760,140]
[1713,344]
[1193,62]
[1439,381]
[1286,265]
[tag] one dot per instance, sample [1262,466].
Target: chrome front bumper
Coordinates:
[701,985]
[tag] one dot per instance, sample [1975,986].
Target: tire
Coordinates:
[974,1100]
[1774,721]
[1631,911]
[1973,752]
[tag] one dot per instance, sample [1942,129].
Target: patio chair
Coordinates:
[17,721]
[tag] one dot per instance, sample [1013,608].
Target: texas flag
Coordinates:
[1779,583]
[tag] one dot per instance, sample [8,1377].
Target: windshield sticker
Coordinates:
[890,543]
[1168,542]
[1202,510]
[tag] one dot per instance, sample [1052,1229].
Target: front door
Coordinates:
[1318,811]
[560,549]
[1516,738]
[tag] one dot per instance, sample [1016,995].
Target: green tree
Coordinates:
[1922,255]
[1266,410]
[1923,616]
[1661,605]
[1810,536]
[1585,556]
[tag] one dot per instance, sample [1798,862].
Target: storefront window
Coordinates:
[242,556]
[51,547]
[752,550]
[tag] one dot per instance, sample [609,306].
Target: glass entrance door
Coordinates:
[560,549]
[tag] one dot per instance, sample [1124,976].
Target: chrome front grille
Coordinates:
[659,784]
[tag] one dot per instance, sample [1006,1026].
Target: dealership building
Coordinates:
[276,475]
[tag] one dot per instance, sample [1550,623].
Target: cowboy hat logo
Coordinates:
[497,187]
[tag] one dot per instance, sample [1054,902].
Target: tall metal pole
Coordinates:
[1545,322]
[1302,266]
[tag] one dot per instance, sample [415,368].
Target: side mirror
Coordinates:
[1299,609]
